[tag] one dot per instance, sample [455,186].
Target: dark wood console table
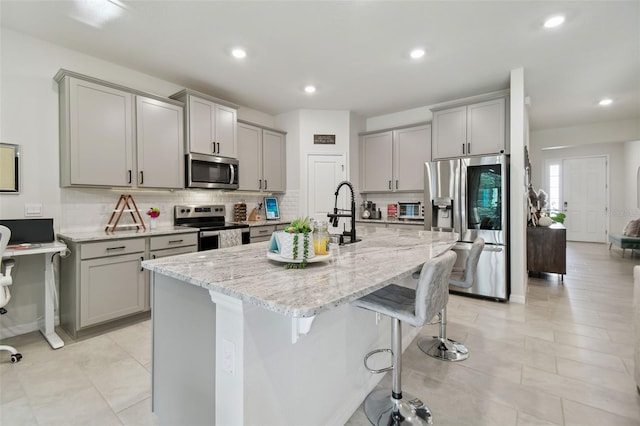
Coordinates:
[547,249]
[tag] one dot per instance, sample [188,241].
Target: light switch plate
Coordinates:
[32,210]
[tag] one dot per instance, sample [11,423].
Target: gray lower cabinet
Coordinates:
[263,232]
[102,284]
[111,287]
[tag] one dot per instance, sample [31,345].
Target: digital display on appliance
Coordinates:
[271,207]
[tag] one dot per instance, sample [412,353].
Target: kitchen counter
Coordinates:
[392,221]
[86,236]
[264,222]
[244,272]
[240,340]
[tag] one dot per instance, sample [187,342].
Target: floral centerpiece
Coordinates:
[153,213]
[294,243]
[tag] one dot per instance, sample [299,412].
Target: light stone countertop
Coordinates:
[243,272]
[88,236]
[392,221]
[264,222]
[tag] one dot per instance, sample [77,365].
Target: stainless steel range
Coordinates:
[214,231]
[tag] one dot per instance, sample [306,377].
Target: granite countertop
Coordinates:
[392,221]
[264,222]
[85,236]
[243,272]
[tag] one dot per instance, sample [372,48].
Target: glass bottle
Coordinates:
[320,238]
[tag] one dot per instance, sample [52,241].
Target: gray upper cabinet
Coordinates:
[211,124]
[475,129]
[114,136]
[393,160]
[96,134]
[160,144]
[262,158]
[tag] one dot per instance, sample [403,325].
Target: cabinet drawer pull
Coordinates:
[116,248]
[175,241]
[141,260]
[263,231]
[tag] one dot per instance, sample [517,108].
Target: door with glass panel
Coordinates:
[483,195]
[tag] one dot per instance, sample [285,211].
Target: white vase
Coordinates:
[285,245]
[153,223]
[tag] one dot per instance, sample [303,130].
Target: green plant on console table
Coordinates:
[558,216]
[297,227]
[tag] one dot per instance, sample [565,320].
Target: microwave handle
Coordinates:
[233,173]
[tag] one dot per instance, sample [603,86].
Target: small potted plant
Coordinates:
[153,213]
[294,243]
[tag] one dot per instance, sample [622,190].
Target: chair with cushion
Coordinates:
[416,307]
[5,282]
[440,346]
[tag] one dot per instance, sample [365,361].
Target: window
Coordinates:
[553,174]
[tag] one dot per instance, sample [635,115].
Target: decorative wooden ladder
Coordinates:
[125,204]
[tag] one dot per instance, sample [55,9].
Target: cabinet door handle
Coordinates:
[463,148]
[469,148]
[389,184]
[116,248]
[213,149]
[259,183]
[141,260]
[129,176]
[265,184]
[396,184]
[175,241]
[218,147]
[153,256]
[141,177]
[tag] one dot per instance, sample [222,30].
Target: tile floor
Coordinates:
[564,358]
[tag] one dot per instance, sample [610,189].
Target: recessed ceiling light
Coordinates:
[605,102]
[417,53]
[239,53]
[310,89]
[554,21]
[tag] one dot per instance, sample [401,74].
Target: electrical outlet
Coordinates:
[228,357]
[32,210]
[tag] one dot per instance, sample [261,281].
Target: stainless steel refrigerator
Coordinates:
[470,196]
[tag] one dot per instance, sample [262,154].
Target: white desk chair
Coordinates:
[5,282]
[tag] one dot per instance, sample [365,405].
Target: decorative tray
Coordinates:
[317,258]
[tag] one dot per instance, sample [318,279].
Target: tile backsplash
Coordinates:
[88,209]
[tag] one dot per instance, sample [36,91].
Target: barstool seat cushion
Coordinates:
[414,306]
[393,300]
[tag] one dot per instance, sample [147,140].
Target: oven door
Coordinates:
[207,171]
[212,240]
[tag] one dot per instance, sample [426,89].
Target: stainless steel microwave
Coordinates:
[208,171]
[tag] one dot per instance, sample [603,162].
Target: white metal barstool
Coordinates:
[5,282]
[416,307]
[440,346]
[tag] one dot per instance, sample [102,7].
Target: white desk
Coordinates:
[47,251]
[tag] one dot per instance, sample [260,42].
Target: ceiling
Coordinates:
[356,52]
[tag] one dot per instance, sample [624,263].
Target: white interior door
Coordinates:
[324,173]
[585,198]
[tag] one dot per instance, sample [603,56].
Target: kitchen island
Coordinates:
[239,339]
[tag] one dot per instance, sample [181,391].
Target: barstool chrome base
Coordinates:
[382,410]
[443,349]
